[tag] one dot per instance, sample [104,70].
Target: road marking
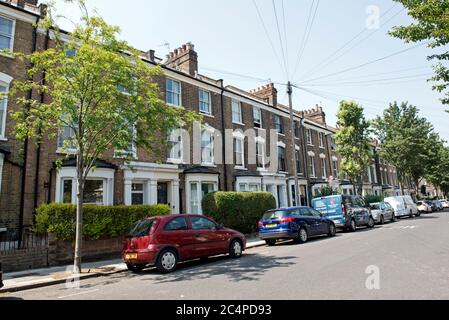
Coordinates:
[79,293]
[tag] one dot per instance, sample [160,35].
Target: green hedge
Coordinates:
[238,210]
[98,221]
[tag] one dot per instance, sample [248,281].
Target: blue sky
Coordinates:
[229,36]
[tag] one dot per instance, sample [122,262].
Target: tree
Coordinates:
[431,23]
[407,141]
[100,91]
[438,174]
[353,142]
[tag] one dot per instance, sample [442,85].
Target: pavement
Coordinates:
[37,278]
[406,260]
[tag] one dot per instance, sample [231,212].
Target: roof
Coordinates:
[200,170]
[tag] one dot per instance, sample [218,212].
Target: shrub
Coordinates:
[373,199]
[238,210]
[98,221]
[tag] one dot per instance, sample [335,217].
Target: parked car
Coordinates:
[403,206]
[445,204]
[381,212]
[424,207]
[297,223]
[347,212]
[438,205]
[1,274]
[165,241]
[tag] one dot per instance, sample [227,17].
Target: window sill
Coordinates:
[64,152]
[7,55]
[209,115]
[175,105]
[209,165]
[262,170]
[281,134]
[240,168]
[3,139]
[175,161]
[238,123]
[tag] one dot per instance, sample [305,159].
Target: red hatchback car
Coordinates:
[164,241]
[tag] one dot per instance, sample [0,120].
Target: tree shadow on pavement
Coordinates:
[248,268]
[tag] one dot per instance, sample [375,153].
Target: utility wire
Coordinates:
[344,45]
[213,70]
[367,63]
[371,81]
[267,34]
[306,36]
[285,34]
[280,39]
[358,43]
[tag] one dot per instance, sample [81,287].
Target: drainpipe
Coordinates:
[25,146]
[223,129]
[38,151]
[306,158]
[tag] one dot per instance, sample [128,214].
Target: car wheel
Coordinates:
[332,230]
[353,226]
[302,236]
[167,261]
[371,223]
[270,242]
[394,219]
[418,214]
[135,267]
[382,220]
[236,249]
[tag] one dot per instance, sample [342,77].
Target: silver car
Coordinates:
[382,212]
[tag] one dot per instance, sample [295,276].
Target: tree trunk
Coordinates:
[79,216]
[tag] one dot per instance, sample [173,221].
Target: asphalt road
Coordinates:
[405,260]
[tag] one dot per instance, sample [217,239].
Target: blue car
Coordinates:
[298,223]
[347,212]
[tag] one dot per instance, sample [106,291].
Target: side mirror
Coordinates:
[220,226]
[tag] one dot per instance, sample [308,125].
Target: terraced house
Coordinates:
[181,177]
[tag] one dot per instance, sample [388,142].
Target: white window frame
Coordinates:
[321,138]
[13,32]
[171,158]
[312,166]
[237,104]
[209,102]
[258,111]
[260,142]
[211,148]
[281,124]
[5,81]
[172,92]
[239,139]
[283,147]
[139,192]
[309,137]
[324,168]
[335,168]
[199,180]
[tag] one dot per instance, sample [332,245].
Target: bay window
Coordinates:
[207,147]
[3,108]
[175,148]
[239,155]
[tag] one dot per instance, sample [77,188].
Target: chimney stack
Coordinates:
[268,92]
[184,58]
[316,114]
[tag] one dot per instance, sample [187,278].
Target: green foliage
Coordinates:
[431,24]
[238,210]
[353,141]
[373,199]
[99,221]
[407,141]
[438,174]
[326,191]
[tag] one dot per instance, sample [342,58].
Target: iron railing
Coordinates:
[12,241]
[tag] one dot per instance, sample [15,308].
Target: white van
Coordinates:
[403,206]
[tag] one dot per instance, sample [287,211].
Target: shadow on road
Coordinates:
[250,267]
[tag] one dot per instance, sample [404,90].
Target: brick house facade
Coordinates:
[180,178]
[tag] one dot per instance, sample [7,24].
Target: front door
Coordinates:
[162,193]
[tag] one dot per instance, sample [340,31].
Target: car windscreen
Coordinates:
[272,215]
[142,228]
[375,206]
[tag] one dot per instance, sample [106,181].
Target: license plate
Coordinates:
[337,221]
[131,256]
[271,226]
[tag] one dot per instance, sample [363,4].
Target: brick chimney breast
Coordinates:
[316,114]
[184,59]
[267,92]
